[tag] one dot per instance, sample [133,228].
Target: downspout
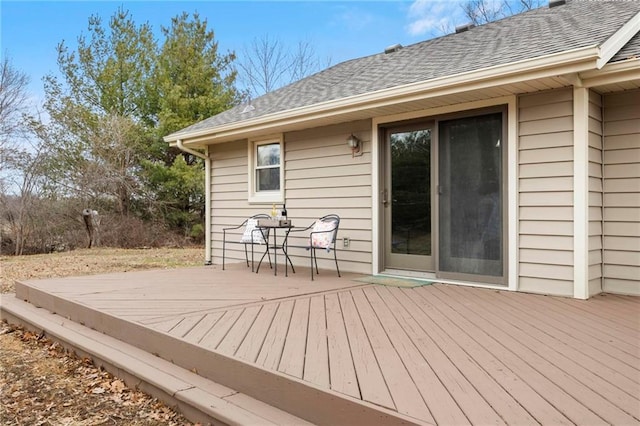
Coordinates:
[207,196]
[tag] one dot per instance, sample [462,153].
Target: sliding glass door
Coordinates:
[470,214]
[407,198]
[443,197]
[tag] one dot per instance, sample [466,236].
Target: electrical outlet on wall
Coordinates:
[345,242]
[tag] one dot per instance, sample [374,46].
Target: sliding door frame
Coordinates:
[509,184]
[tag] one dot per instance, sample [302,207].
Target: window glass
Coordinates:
[411,192]
[268,179]
[269,155]
[267,167]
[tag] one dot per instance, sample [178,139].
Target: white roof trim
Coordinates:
[555,62]
[613,44]
[616,72]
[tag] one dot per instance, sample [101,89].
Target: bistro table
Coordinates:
[274,225]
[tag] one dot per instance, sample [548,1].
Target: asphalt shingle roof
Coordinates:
[629,50]
[536,33]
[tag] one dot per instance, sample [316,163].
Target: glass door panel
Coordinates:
[408,199]
[470,196]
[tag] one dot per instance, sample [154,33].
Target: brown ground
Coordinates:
[42,384]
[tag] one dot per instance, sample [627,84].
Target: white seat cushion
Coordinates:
[324,235]
[252,234]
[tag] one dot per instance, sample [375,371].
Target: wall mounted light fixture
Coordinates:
[355,144]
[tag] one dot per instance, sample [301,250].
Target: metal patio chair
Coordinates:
[322,236]
[251,235]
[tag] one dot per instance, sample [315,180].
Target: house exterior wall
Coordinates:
[545,192]
[595,193]
[622,192]
[321,177]
[229,206]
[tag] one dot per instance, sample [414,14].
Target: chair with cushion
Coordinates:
[251,235]
[322,236]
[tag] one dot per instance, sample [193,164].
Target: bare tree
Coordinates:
[264,65]
[17,184]
[267,64]
[514,7]
[101,165]
[19,206]
[115,148]
[13,106]
[483,11]
[13,100]
[305,61]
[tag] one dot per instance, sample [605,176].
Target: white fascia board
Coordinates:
[616,72]
[576,60]
[621,37]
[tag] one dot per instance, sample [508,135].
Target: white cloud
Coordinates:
[433,17]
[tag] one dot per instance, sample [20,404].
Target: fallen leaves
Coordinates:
[43,384]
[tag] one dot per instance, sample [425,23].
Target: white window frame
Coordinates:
[256,196]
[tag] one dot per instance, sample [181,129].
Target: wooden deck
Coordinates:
[434,354]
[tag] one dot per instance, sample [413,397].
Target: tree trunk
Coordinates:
[87,216]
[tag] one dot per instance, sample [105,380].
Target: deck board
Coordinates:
[536,372]
[271,352]
[569,349]
[373,387]
[409,343]
[316,365]
[342,372]
[252,343]
[436,354]
[217,333]
[600,327]
[167,324]
[583,385]
[423,382]
[403,390]
[494,394]
[200,330]
[583,330]
[186,325]
[292,360]
[237,334]
[576,340]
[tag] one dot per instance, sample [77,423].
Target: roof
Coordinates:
[534,34]
[629,51]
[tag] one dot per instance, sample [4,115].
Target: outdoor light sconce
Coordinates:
[355,144]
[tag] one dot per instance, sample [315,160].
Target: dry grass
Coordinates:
[42,384]
[93,261]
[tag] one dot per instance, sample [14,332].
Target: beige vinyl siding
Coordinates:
[229,206]
[595,193]
[621,199]
[545,192]
[321,177]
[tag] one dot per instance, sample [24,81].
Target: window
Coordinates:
[268,167]
[266,171]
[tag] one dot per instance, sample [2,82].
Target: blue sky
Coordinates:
[30,30]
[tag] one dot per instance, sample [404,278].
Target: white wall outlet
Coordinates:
[345,242]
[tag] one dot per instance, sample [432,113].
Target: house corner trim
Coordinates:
[580,193]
